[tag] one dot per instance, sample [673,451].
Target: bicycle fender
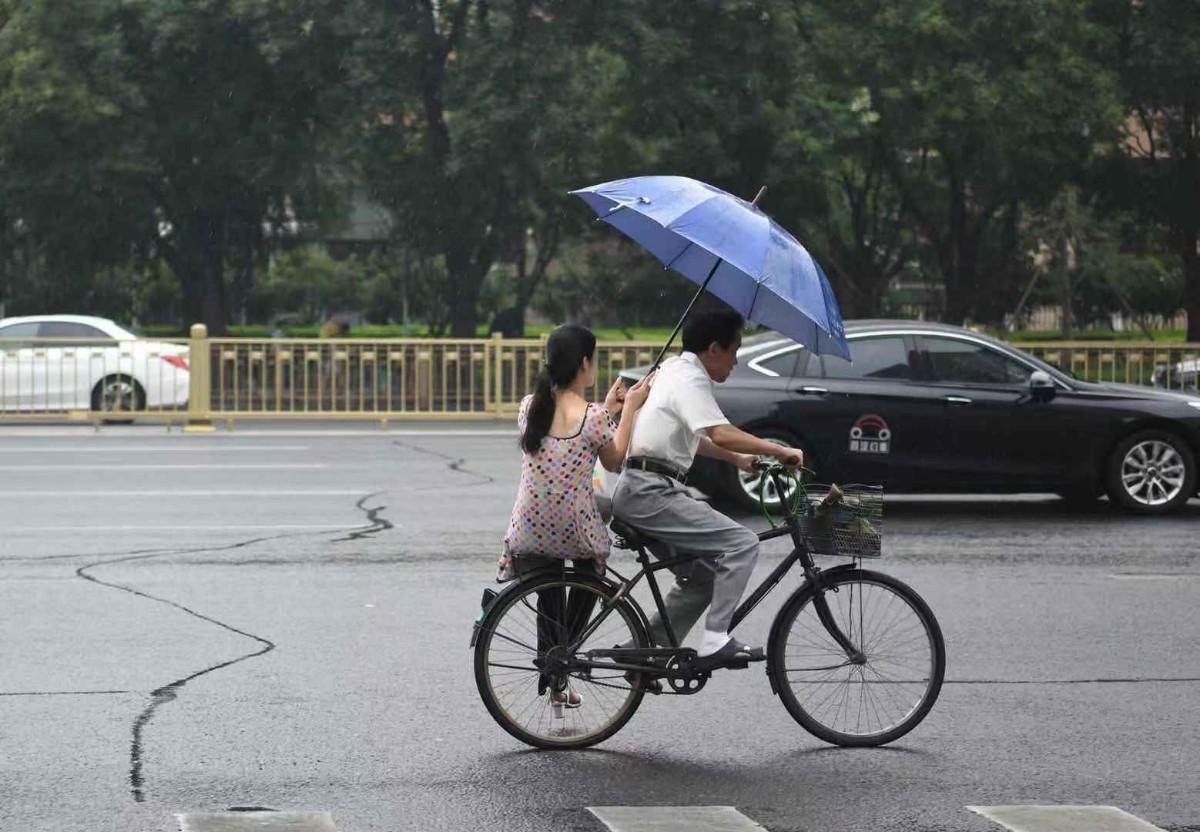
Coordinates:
[777,624]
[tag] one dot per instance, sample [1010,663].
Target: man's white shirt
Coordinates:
[681,404]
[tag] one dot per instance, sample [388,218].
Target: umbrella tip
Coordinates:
[758,196]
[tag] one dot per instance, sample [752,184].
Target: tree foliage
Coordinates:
[184,127]
[185,140]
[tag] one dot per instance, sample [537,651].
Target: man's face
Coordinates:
[720,361]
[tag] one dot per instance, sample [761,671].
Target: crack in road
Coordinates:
[454,463]
[168,693]
[377,524]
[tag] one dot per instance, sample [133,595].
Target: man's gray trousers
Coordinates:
[664,510]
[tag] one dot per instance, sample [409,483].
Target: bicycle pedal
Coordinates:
[738,665]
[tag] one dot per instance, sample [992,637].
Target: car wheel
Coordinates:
[743,488]
[118,394]
[1151,472]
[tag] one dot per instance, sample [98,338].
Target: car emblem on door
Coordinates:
[870,435]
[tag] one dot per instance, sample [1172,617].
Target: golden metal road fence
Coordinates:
[206,379]
[381,378]
[1169,366]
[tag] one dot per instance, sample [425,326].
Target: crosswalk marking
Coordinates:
[256,822]
[1065,819]
[674,819]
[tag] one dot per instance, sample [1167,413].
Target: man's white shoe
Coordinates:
[712,642]
[733,654]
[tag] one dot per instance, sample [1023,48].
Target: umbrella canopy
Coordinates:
[730,247]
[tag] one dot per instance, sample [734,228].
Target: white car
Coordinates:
[77,362]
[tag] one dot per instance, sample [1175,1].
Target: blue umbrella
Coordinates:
[730,248]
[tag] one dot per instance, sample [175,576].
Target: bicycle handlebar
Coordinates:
[771,465]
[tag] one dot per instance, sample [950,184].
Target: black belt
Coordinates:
[656,466]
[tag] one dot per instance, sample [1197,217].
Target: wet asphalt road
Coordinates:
[196,623]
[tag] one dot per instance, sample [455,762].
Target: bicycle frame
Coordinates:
[799,553]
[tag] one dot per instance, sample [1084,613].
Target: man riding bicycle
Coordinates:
[680,419]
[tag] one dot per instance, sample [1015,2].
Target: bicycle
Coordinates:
[856,656]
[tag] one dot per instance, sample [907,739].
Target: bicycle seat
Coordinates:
[628,537]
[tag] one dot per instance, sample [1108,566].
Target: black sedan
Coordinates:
[927,408]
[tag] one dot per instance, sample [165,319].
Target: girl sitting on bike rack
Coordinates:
[555,516]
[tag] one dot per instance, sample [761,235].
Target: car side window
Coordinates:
[67,329]
[787,364]
[17,331]
[883,357]
[966,362]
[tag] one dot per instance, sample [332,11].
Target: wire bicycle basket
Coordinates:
[844,521]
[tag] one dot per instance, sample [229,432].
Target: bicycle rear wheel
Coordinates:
[521,661]
[858,704]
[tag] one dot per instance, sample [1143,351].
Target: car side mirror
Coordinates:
[1041,386]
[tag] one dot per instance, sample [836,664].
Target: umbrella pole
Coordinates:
[686,312]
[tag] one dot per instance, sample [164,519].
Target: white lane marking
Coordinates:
[674,819]
[1153,576]
[215,527]
[249,433]
[256,822]
[184,467]
[146,449]
[1064,819]
[349,492]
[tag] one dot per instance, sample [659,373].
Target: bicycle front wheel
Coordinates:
[883,695]
[531,682]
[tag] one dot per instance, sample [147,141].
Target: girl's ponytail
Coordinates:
[540,413]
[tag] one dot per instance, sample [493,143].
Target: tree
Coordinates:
[71,197]
[478,118]
[728,93]
[184,125]
[982,107]
[858,229]
[1155,169]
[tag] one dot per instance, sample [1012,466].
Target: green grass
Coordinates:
[605,333]
[1107,335]
[398,331]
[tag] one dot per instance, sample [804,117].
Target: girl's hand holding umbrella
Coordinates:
[636,395]
[618,397]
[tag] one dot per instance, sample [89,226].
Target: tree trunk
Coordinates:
[951,252]
[1066,288]
[1191,286]
[463,314]
[199,263]
[466,278]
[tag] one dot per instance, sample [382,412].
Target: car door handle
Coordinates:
[814,391]
[958,400]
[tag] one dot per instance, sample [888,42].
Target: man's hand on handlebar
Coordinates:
[790,458]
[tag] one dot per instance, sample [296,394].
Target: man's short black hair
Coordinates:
[723,326]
